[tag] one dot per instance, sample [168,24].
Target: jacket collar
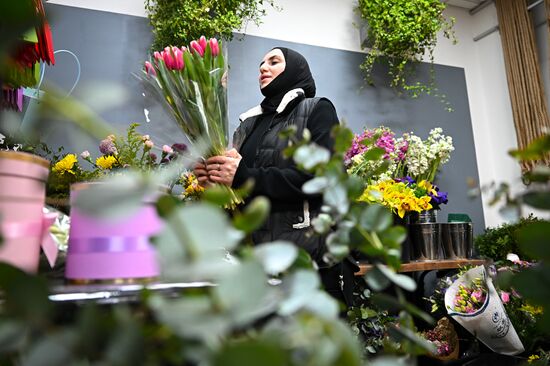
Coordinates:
[288,97]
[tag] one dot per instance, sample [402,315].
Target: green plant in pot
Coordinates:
[400,32]
[178,22]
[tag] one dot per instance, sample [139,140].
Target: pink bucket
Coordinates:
[22,195]
[111,250]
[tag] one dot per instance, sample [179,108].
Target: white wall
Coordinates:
[329,23]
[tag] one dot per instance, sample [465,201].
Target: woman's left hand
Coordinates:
[222,168]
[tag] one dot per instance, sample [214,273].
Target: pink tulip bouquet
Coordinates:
[190,83]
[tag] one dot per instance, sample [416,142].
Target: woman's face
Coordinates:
[271,66]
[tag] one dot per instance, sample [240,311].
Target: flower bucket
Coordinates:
[457,240]
[114,251]
[490,323]
[23,224]
[426,242]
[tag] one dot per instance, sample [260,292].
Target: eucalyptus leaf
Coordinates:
[299,287]
[311,155]
[337,197]
[249,351]
[191,317]
[323,305]
[322,223]
[342,138]
[374,154]
[376,279]
[315,185]
[393,236]
[52,350]
[375,218]
[117,197]
[233,293]
[13,335]
[400,280]
[254,215]
[276,257]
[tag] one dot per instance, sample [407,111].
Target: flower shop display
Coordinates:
[111,249]
[23,225]
[117,154]
[474,303]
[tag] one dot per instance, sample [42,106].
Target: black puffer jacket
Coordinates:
[278,178]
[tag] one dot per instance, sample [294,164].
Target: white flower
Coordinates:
[85,154]
[167,149]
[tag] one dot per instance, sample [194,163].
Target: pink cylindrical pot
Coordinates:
[111,250]
[22,194]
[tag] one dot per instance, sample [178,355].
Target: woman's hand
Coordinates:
[222,169]
[202,174]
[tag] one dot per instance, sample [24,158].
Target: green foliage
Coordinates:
[496,243]
[177,23]
[401,32]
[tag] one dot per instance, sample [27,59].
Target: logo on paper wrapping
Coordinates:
[501,325]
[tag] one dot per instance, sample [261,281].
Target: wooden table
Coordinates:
[427,265]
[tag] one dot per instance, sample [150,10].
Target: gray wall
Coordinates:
[112,46]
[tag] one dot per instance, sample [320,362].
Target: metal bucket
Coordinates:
[426,241]
[457,240]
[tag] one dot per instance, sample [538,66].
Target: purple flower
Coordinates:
[107,147]
[408,180]
[153,157]
[438,199]
[179,147]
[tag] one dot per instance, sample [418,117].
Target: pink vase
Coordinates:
[22,195]
[111,250]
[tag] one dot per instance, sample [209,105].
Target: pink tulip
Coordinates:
[178,57]
[202,42]
[157,55]
[150,69]
[168,58]
[197,48]
[214,46]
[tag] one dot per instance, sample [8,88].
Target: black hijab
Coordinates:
[295,75]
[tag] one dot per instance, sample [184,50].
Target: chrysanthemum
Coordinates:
[66,164]
[105,162]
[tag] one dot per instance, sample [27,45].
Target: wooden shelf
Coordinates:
[427,265]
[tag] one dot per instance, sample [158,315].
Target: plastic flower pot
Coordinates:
[114,250]
[22,194]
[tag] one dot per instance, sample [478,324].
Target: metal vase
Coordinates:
[426,241]
[457,240]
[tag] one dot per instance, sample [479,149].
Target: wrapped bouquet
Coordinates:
[474,303]
[190,83]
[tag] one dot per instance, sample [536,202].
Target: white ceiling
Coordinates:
[468,4]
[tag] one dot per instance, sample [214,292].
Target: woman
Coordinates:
[289,89]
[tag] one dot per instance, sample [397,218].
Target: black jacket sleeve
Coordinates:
[286,184]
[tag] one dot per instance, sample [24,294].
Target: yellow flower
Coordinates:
[66,164]
[533,358]
[105,162]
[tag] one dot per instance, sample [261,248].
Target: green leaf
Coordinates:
[311,155]
[374,154]
[253,216]
[342,138]
[218,195]
[315,185]
[393,236]
[375,218]
[400,280]
[540,173]
[337,197]
[535,150]
[276,257]
[533,239]
[377,280]
[249,351]
[524,283]
[166,205]
[540,200]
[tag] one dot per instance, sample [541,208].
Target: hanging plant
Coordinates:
[401,32]
[178,22]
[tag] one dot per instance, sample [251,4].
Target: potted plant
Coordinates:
[400,32]
[179,22]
